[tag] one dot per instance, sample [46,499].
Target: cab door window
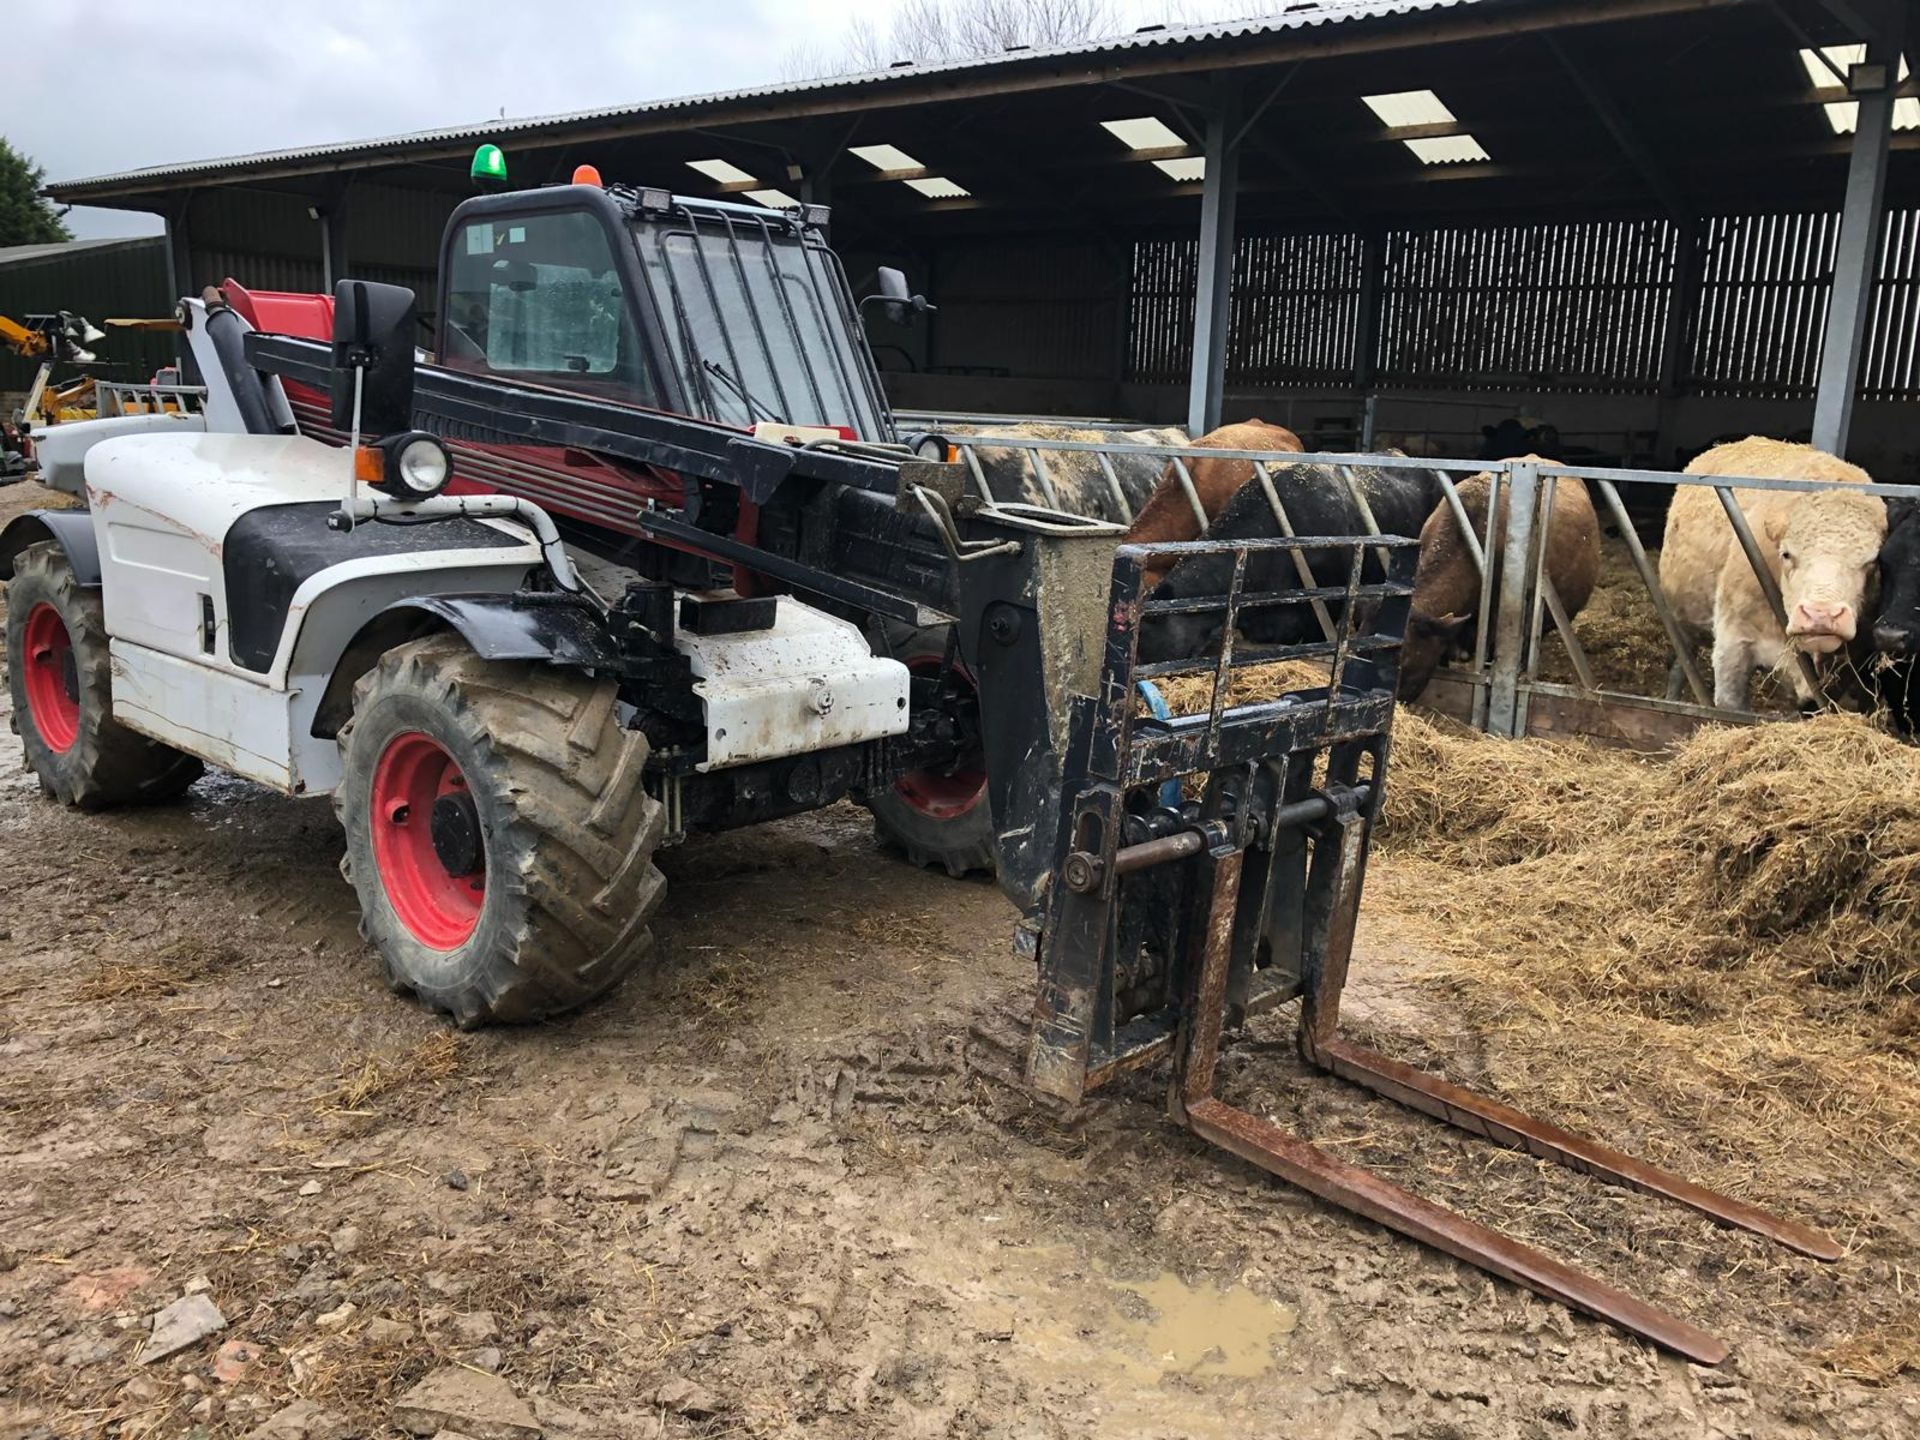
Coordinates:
[539,296]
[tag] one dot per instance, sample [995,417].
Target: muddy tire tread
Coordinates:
[961,846]
[108,764]
[576,853]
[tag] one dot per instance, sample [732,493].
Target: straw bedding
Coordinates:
[1711,958]
[1193,694]
[1619,629]
[1739,919]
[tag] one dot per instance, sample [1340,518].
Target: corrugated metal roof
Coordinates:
[1299,15]
[60,249]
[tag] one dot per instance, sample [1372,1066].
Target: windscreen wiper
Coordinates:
[713,367]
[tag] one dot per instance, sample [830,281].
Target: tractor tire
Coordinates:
[61,678]
[936,818]
[526,887]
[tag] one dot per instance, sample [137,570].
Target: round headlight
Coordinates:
[931,447]
[418,466]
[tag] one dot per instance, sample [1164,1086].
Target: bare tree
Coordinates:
[929,30]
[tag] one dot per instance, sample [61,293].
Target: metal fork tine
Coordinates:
[1487,1117]
[1353,1188]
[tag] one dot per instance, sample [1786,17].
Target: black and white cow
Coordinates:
[1889,671]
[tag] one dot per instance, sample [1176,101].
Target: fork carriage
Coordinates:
[1209,866]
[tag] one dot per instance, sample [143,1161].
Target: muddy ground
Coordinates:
[756,1192]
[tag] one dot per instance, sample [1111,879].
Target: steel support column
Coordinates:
[1857,252]
[179,248]
[180,275]
[1213,292]
[333,242]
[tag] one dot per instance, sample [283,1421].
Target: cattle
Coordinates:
[1515,437]
[1169,514]
[1889,671]
[1318,502]
[1079,484]
[1821,548]
[1446,586]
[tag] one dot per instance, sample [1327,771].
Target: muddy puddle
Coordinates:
[1155,1347]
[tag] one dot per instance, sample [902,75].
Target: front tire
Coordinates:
[61,678]
[498,835]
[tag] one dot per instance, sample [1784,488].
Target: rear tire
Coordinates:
[526,888]
[61,678]
[937,818]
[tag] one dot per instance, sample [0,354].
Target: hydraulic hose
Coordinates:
[476,507]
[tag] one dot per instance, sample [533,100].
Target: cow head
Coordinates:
[1896,629]
[1430,640]
[1827,543]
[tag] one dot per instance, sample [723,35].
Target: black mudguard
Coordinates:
[554,628]
[71,530]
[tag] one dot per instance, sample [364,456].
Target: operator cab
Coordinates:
[725,312]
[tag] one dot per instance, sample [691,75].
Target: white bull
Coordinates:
[1820,547]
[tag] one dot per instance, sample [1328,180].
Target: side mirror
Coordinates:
[896,299]
[373,330]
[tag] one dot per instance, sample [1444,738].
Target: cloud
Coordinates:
[116,85]
[119,84]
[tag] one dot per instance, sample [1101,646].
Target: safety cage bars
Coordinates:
[1144,790]
[765,363]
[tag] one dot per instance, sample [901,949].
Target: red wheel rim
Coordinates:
[943,796]
[53,688]
[440,907]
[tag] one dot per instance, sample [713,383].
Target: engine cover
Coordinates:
[808,682]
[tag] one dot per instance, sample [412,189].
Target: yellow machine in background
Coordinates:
[62,339]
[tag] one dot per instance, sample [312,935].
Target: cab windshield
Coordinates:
[538,297]
[758,320]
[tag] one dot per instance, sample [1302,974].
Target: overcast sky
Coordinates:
[113,85]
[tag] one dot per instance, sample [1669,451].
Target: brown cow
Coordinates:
[1168,514]
[1446,586]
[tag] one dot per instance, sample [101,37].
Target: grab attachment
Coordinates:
[1169,918]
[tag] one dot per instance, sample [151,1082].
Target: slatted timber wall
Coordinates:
[1160,312]
[1892,366]
[1764,285]
[1581,306]
[1296,308]
[1296,305]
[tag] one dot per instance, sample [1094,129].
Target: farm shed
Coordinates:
[1651,222]
[95,278]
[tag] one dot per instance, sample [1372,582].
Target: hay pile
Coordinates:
[1740,919]
[1193,694]
[1619,629]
